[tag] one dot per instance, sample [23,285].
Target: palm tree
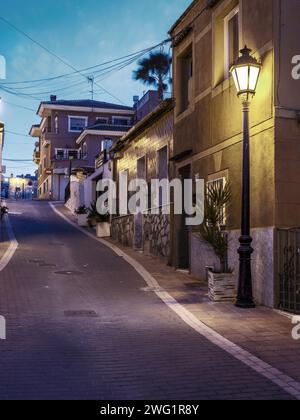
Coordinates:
[155,71]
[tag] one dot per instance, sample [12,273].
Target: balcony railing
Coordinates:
[73,155]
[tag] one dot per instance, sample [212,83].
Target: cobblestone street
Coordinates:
[81,325]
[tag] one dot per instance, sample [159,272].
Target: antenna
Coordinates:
[91,80]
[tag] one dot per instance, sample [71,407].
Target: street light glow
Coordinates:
[245,73]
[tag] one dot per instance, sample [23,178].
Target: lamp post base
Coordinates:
[245,304]
[245,295]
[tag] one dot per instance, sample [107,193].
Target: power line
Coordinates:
[17,134]
[18,106]
[18,160]
[55,55]
[49,79]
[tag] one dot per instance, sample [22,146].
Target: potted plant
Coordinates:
[3,211]
[103,226]
[221,281]
[100,221]
[82,216]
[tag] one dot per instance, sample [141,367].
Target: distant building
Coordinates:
[71,134]
[146,104]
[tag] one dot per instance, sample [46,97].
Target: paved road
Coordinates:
[136,347]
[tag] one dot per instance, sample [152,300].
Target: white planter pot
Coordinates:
[82,220]
[221,287]
[103,230]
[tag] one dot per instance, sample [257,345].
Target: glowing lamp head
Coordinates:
[245,73]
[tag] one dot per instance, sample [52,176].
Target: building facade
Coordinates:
[208,125]
[96,142]
[58,152]
[143,153]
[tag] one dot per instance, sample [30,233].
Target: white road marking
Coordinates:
[288,384]
[9,253]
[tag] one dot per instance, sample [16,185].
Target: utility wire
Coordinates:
[144,51]
[17,134]
[18,106]
[17,160]
[56,56]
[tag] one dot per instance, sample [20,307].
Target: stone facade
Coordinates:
[122,230]
[157,235]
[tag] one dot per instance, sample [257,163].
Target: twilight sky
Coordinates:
[84,33]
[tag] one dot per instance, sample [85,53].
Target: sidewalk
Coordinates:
[263,332]
[4,240]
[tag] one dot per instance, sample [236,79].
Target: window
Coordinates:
[185,77]
[56,124]
[142,168]
[162,172]
[231,39]
[126,121]
[102,120]
[49,123]
[106,145]
[60,154]
[218,183]
[77,124]
[84,151]
[66,154]
[73,154]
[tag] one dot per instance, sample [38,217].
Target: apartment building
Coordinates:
[208,132]
[106,132]
[71,134]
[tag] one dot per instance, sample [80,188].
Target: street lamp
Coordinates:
[245,73]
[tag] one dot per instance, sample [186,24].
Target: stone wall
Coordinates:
[157,235]
[122,230]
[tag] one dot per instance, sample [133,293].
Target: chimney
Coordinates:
[53,98]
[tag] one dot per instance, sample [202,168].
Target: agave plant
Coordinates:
[82,210]
[217,197]
[94,217]
[3,211]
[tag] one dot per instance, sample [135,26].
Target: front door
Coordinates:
[183,239]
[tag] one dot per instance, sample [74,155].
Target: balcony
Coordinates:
[112,128]
[36,156]
[67,155]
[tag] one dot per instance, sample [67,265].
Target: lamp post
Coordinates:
[245,73]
